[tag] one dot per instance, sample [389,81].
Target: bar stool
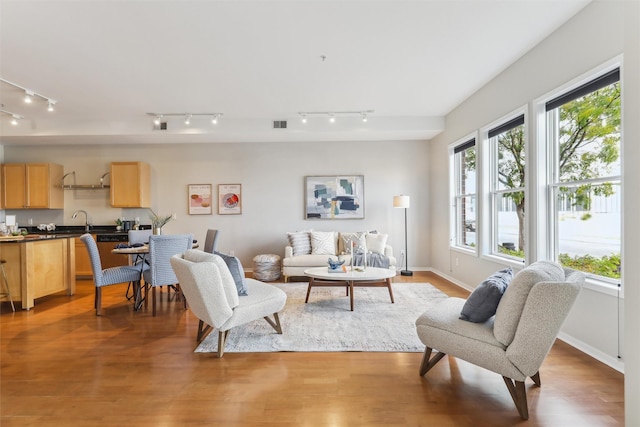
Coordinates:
[6,284]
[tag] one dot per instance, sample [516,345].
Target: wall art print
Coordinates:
[229,199]
[334,197]
[200,199]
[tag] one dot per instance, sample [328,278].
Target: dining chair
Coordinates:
[160,273]
[108,276]
[139,236]
[211,241]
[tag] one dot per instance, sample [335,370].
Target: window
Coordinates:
[583,128]
[464,166]
[507,148]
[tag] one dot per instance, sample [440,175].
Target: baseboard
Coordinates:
[450,279]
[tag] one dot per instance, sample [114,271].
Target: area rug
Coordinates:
[326,324]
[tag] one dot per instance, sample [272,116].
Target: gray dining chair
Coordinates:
[108,276]
[160,273]
[211,241]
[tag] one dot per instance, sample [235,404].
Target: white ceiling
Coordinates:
[108,63]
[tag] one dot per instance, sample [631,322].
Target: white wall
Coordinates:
[272,178]
[593,37]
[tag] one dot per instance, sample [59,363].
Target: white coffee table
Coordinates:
[371,277]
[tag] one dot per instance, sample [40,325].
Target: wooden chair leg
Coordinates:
[275,324]
[429,362]
[203,329]
[98,301]
[153,303]
[222,340]
[536,378]
[519,396]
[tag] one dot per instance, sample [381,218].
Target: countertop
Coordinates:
[65,232]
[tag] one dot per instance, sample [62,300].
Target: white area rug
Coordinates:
[327,324]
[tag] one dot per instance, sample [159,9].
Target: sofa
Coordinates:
[309,248]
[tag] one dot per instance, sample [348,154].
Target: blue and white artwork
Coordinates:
[334,197]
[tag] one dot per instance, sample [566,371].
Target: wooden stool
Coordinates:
[6,284]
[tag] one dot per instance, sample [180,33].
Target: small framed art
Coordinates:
[229,199]
[200,199]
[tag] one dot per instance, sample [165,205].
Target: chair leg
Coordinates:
[536,378]
[203,329]
[98,301]
[275,324]
[222,340]
[153,303]
[519,396]
[429,362]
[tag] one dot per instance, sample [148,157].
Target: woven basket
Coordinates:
[266,267]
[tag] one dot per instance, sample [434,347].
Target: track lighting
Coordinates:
[333,114]
[30,96]
[159,117]
[14,117]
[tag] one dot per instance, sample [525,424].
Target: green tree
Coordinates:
[589,143]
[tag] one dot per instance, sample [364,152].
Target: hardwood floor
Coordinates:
[63,366]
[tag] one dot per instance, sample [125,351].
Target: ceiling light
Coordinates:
[14,117]
[304,117]
[332,118]
[187,120]
[333,114]
[214,119]
[30,95]
[14,120]
[364,117]
[157,120]
[161,117]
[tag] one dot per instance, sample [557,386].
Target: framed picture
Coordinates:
[229,199]
[334,197]
[200,200]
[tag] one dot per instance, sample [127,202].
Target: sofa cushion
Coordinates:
[237,272]
[300,241]
[514,298]
[376,242]
[483,301]
[323,243]
[358,240]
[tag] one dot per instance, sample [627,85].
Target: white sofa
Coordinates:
[301,254]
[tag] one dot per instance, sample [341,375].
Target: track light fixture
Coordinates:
[158,117]
[14,117]
[30,95]
[333,114]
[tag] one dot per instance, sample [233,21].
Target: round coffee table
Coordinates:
[370,277]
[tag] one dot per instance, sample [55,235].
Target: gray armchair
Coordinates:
[213,298]
[515,341]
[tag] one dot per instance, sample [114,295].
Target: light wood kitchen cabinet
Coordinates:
[130,185]
[32,186]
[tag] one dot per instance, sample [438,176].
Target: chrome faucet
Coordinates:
[87,226]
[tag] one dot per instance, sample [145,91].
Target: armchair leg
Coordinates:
[203,330]
[519,396]
[536,378]
[275,324]
[429,362]
[222,340]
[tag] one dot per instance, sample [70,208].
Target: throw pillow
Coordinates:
[483,301]
[237,272]
[300,241]
[358,239]
[323,243]
[376,242]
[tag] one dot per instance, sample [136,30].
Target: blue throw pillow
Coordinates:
[483,301]
[235,267]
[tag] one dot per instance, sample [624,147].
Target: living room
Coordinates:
[272,177]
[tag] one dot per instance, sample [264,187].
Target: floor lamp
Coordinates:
[403,203]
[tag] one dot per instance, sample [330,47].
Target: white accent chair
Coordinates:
[212,296]
[515,341]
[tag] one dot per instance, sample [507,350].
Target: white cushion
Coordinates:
[376,242]
[323,243]
[300,242]
[358,239]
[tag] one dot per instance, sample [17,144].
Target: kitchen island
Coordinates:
[38,266]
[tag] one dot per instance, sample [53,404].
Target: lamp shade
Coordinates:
[401,202]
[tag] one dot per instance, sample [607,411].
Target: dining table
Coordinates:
[140,250]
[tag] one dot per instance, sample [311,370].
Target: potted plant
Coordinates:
[158,221]
[118,224]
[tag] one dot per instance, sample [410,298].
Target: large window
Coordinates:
[507,148]
[583,128]
[464,165]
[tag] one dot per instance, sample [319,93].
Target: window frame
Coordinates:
[456,195]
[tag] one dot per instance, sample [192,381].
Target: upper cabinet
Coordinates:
[130,185]
[32,186]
